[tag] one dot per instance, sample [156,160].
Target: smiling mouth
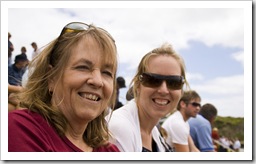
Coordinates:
[161,101]
[90,96]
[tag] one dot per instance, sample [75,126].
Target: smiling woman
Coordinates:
[157,88]
[67,94]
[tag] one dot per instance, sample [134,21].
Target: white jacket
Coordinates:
[124,125]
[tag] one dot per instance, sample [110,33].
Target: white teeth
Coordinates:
[91,97]
[161,102]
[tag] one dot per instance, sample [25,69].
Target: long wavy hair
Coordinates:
[36,96]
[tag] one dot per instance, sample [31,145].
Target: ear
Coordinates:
[183,104]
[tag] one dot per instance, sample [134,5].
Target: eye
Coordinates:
[108,73]
[82,67]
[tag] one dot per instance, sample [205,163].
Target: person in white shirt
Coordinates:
[237,145]
[176,125]
[157,88]
[36,50]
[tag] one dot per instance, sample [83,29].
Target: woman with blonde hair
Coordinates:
[157,88]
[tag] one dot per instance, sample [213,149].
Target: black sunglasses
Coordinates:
[151,80]
[80,26]
[195,104]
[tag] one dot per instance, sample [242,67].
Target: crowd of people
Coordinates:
[69,101]
[225,144]
[17,72]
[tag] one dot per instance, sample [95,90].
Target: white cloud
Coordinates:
[227,93]
[194,76]
[239,56]
[228,106]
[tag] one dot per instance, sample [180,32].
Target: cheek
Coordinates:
[177,95]
[108,89]
[144,92]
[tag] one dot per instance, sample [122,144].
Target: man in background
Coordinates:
[16,70]
[120,83]
[15,73]
[201,128]
[176,125]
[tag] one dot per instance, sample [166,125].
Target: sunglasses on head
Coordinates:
[80,26]
[151,80]
[76,27]
[195,104]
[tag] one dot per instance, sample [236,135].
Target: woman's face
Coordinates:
[155,103]
[86,86]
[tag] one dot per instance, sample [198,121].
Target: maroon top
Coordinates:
[29,132]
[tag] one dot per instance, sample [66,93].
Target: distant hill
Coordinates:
[230,127]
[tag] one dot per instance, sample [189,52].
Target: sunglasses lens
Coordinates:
[150,81]
[154,80]
[196,104]
[74,27]
[175,82]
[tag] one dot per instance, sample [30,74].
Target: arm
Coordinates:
[181,148]
[192,146]
[13,88]
[13,101]
[186,148]
[177,134]
[180,138]
[205,139]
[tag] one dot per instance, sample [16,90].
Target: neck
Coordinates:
[75,135]
[185,117]
[145,125]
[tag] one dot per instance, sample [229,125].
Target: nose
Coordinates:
[163,88]
[198,108]
[96,78]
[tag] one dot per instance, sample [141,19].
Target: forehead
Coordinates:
[196,100]
[163,64]
[89,48]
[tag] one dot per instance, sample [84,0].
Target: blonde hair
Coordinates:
[36,96]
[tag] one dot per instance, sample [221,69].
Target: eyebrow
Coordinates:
[89,63]
[84,61]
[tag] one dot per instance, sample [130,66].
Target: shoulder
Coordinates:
[19,115]
[197,121]
[27,131]
[124,127]
[123,116]
[25,120]
[176,119]
[23,115]
[10,68]
[170,117]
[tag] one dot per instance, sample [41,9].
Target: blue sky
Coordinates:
[213,37]
[210,39]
